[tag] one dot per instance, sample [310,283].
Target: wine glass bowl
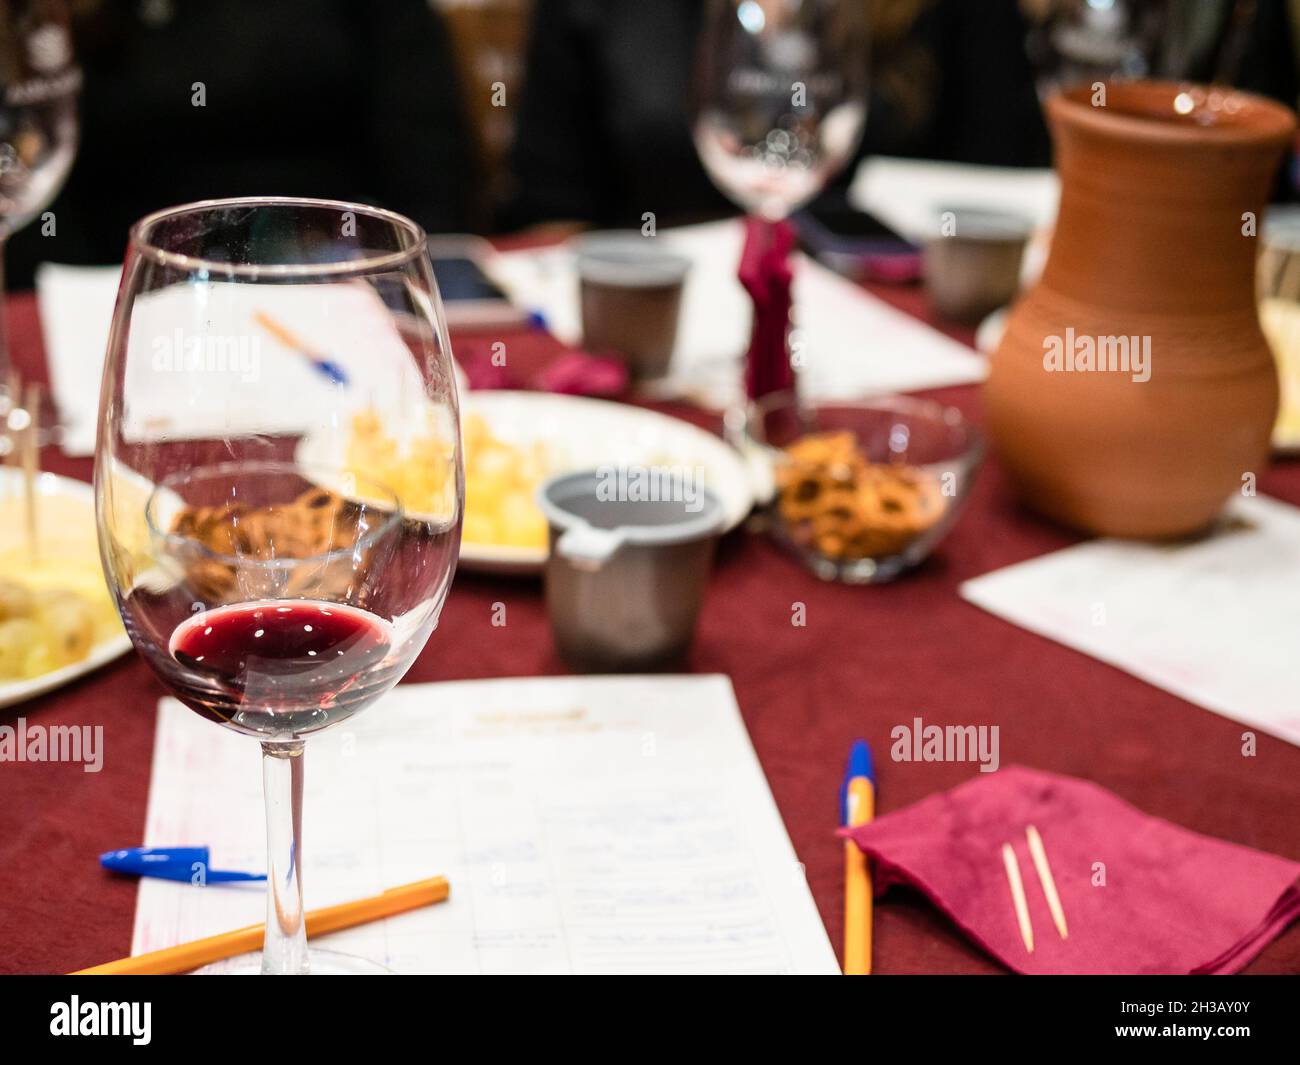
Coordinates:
[273,593]
[40,83]
[281,539]
[38,122]
[1081,42]
[779,98]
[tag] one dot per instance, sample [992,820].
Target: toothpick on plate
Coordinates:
[1018,896]
[1039,855]
[30,461]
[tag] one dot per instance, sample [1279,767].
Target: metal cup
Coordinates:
[626,574]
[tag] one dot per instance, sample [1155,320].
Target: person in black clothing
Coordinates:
[604,133]
[300,98]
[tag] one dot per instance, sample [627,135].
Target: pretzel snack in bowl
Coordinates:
[314,525]
[833,499]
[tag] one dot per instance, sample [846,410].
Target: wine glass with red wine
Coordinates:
[274,583]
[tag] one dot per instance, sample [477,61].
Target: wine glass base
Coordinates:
[323,963]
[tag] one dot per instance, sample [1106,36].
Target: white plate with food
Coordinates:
[57,620]
[1280,320]
[514,441]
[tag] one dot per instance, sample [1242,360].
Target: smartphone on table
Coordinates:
[472,299]
[855,243]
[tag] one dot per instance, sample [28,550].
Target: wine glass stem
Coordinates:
[766,274]
[285,948]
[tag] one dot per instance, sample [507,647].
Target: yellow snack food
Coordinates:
[54,604]
[67,622]
[1280,320]
[18,638]
[501,479]
[57,628]
[15,600]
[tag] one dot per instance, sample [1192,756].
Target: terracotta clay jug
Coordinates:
[1133,389]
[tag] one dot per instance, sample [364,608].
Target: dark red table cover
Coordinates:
[866,660]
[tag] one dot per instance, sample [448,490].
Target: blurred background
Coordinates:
[896,450]
[489,116]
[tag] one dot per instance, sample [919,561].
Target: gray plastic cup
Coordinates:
[626,576]
[631,292]
[975,269]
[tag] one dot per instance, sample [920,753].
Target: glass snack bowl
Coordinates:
[861,490]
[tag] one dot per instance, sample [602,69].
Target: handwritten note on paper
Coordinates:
[1212,620]
[587,825]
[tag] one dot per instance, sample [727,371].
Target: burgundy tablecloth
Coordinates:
[867,659]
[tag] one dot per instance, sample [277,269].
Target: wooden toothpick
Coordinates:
[1018,896]
[31,462]
[14,389]
[1039,854]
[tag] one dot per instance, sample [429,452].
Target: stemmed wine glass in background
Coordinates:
[1070,42]
[779,106]
[273,586]
[39,87]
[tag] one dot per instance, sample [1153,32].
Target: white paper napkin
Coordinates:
[76,309]
[1213,621]
[909,194]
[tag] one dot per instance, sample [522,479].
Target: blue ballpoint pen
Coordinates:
[188,864]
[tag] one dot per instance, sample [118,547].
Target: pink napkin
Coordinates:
[572,372]
[765,273]
[576,373]
[1172,901]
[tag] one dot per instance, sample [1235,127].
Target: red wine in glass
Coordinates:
[296,663]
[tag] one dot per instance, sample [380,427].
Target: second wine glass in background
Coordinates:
[779,107]
[39,86]
[779,98]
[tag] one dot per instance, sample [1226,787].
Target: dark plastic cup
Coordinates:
[976,269]
[631,292]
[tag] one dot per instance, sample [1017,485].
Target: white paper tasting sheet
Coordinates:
[1213,621]
[587,825]
[212,332]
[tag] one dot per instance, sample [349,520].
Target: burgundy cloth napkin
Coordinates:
[1173,901]
[575,373]
[765,273]
[571,372]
